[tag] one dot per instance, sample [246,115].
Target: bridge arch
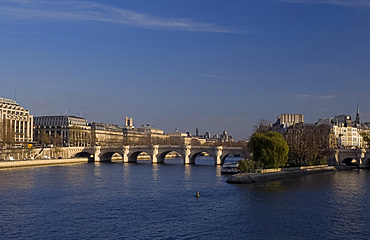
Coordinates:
[132,157]
[162,156]
[197,153]
[107,156]
[366,161]
[224,156]
[87,155]
[349,161]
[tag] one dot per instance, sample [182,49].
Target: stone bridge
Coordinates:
[157,153]
[354,157]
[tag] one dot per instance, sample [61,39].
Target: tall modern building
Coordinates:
[16,122]
[287,120]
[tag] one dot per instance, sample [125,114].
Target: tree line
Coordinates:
[299,145]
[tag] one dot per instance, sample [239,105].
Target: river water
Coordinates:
[145,201]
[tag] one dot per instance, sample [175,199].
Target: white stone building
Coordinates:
[16,121]
[348,137]
[346,132]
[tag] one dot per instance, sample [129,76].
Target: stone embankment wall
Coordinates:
[278,174]
[39,153]
[31,163]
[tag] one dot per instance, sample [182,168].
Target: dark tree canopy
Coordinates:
[366,137]
[269,149]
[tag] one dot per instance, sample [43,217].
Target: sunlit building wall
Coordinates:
[20,121]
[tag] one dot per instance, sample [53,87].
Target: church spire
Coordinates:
[358,113]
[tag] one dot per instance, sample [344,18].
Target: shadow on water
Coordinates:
[315,181]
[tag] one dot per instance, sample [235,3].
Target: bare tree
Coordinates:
[308,144]
[7,133]
[56,139]
[42,137]
[263,126]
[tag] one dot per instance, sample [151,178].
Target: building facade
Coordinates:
[16,123]
[347,133]
[65,130]
[105,134]
[287,120]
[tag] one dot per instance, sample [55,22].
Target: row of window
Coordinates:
[345,129]
[52,127]
[16,112]
[15,107]
[60,127]
[41,122]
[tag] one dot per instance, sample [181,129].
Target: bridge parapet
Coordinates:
[359,157]
[157,153]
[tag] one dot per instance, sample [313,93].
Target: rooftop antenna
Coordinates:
[15,95]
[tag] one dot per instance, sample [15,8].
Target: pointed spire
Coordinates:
[358,113]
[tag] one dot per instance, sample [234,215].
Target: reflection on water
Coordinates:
[155,172]
[349,197]
[145,201]
[126,173]
[187,170]
[19,181]
[218,171]
[270,187]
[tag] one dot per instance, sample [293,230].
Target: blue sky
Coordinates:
[217,65]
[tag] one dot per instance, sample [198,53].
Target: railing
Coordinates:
[7,100]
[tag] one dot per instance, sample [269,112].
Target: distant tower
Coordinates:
[196,132]
[129,123]
[358,114]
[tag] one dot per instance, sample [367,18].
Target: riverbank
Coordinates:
[245,178]
[33,163]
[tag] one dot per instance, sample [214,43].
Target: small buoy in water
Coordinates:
[197,195]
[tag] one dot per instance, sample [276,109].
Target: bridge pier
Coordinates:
[217,155]
[97,151]
[186,151]
[125,155]
[360,155]
[154,154]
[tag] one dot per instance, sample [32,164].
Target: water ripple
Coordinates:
[143,201]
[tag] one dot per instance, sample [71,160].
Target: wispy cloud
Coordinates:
[67,10]
[322,97]
[348,3]
[327,97]
[9,32]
